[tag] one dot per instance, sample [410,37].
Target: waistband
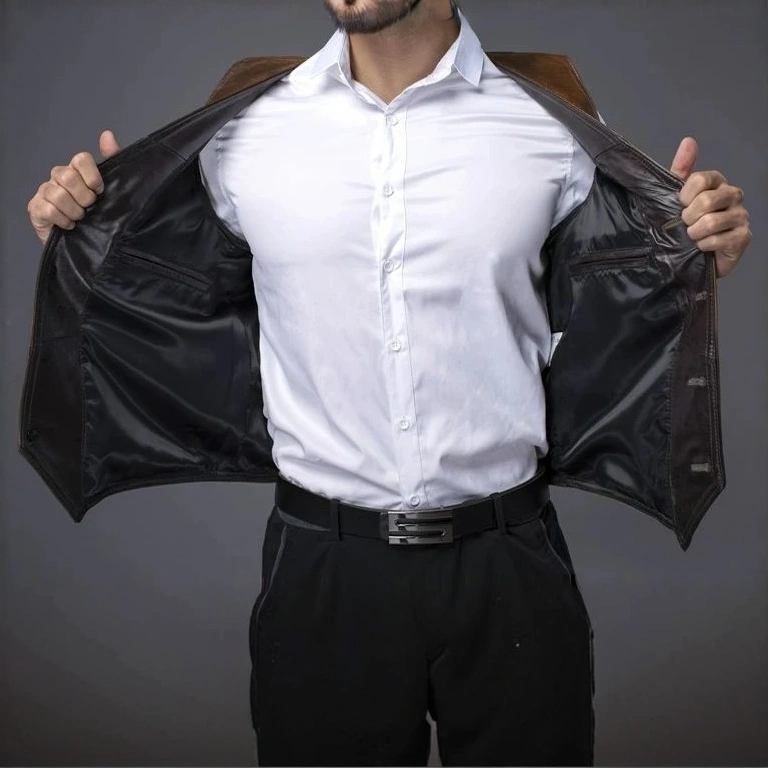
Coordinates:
[437,525]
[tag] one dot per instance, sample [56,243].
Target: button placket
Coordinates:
[397,366]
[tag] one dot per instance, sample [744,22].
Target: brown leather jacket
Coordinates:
[144,367]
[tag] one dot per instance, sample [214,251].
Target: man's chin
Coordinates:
[372,15]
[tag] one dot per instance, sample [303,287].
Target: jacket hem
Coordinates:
[78,511]
[564,481]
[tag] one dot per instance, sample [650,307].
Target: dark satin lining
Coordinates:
[170,352]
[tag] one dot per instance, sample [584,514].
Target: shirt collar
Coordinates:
[465,56]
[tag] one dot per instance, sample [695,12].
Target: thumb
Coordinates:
[685,158]
[108,145]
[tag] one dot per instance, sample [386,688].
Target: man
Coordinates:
[395,191]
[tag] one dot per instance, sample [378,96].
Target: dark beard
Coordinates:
[374,20]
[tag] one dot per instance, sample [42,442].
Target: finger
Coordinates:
[85,164]
[731,244]
[714,223]
[44,214]
[699,182]
[69,178]
[63,201]
[108,145]
[712,200]
[685,158]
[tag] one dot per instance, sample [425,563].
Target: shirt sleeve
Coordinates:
[212,182]
[579,178]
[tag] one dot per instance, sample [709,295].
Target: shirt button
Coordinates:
[391,119]
[389,265]
[404,423]
[414,501]
[396,345]
[388,190]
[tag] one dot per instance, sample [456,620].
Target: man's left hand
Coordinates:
[717,220]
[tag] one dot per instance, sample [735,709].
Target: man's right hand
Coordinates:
[73,188]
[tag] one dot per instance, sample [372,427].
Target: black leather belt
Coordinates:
[440,525]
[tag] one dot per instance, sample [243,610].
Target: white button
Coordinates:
[388,190]
[392,119]
[389,265]
[395,345]
[414,501]
[404,423]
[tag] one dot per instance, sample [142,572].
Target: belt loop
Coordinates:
[335,532]
[501,523]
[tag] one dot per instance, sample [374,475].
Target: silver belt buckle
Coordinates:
[420,527]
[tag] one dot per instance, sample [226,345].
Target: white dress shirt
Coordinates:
[398,273]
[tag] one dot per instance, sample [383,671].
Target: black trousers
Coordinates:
[353,640]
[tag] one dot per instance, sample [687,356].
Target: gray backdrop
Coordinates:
[124,638]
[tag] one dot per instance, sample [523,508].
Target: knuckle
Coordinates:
[57,195]
[711,221]
[69,176]
[48,211]
[82,160]
[699,229]
[721,198]
[61,174]
[688,197]
[708,199]
[698,186]
[700,179]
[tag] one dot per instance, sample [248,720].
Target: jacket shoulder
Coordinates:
[247,72]
[552,71]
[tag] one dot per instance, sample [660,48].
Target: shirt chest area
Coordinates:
[448,179]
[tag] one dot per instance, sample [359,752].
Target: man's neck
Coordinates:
[387,62]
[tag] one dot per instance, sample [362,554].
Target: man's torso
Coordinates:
[398,272]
